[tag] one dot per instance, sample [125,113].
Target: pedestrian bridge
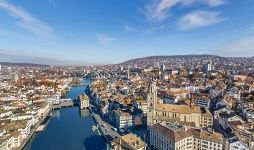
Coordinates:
[63,103]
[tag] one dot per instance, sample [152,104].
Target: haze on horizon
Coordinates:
[84,32]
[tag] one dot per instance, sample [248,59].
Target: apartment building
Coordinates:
[172,136]
[123,119]
[83,101]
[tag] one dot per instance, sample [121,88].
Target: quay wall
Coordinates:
[33,130]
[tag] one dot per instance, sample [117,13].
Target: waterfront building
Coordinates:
[172,136]
[83,101]
[44,109]
[186,114]
[127,142]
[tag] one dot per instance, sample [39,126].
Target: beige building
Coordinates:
[83,101]
[185,114]
[171,136]
[127,142]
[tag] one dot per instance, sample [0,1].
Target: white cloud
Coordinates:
[241,47]
[153,30]
[159,10]
[215,3]
[104,39]
[129,29]
[26,20]
[199,19]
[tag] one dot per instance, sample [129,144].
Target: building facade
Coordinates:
[127,142]
[171,136]
[83,101]
[187,114]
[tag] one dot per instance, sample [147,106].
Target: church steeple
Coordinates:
[191,100]
[151,101]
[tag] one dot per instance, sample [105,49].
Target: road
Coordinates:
[106,129]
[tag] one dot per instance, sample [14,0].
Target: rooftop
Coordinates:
[177,132]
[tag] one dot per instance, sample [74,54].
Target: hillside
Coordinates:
[164,57]
[23,64]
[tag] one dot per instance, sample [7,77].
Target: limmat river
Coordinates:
[68,129]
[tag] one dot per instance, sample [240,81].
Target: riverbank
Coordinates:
[99,124]
[33,130]
[106,130]
[68,129]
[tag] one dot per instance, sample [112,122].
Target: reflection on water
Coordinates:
[55,114]
[84,113]
[68,129]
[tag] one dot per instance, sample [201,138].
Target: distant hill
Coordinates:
[23,64]
[164,57]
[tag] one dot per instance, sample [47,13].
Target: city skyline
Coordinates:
[103,32]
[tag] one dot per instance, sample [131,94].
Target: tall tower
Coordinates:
[161,72]
[151,101]
[0,67]
[9,69]
[128,72]
[209,66]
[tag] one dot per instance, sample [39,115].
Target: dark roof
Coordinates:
[229,132]
[227,115]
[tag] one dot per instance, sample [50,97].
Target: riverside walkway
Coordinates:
[33,130]
[106,129]
[64,103]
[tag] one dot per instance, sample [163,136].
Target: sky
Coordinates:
[88,32]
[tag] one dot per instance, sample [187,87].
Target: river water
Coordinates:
[68,129]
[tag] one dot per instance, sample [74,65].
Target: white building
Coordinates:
[44,109]
[83,101]
[9,69]
[123,120]
[235,144]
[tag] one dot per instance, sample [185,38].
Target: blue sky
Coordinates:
[83,32]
